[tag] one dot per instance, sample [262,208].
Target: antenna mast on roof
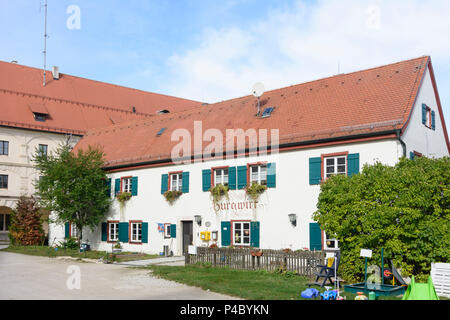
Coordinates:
[45,40]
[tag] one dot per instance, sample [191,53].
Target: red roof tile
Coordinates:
[365,102]
[74,104]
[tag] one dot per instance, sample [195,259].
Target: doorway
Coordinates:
[188,235]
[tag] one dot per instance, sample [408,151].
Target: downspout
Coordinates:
[401,142]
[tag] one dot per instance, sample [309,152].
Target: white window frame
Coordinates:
[176,181]
[335,166]
[244,233]
[135,236]
[113,229]
[332,240]
[261,174]
[126,185]
[73,230]
[223,178]
[167,230]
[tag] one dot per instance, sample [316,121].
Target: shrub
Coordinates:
[404,209]
[26,223]
[70,243]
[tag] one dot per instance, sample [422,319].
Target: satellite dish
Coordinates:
[258,89]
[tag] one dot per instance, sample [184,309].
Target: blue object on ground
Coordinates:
[329,295]
[310,293]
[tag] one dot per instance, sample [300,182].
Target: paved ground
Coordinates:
[40,278]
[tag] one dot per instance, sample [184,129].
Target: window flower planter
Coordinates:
[255,191]
[172,196]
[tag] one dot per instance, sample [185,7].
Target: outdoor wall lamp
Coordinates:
[293,219]
[198,219]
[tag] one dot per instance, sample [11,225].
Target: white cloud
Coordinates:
[306,42]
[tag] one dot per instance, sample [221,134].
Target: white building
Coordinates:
[329,126]
[36,117]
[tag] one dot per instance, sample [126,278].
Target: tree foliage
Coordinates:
[26,223]
[404,209]
[72,186]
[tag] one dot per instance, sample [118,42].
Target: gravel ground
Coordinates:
[41,278]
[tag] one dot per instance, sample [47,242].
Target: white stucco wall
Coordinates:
[418,137]
[293,194]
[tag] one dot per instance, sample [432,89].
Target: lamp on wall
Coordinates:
[293,219]
[198,219]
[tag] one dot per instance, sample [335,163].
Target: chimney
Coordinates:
[55,72]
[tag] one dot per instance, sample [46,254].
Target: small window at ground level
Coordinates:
[113,231]
[241,231]
[3,181]
[136,232]
[167,230]
[73,230]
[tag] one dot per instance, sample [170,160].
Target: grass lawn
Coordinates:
[45,251]
[250,285]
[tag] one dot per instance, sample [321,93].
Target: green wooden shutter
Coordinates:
[433,120]
[232,178]
[144,232]
[185,186]
[67,230]
[226,233]
[315,171]
[353,164]
[104,231]
[134,186]
[271,175]
[117,187]
[241,177]
[173,230]
[412,156]
[108,187]
[254,234]
[424,114]
[123,231]
[164,183]
[315,237]
[206,178]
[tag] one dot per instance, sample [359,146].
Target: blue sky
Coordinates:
[214,50]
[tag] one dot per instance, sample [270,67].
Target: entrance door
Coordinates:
[188,235]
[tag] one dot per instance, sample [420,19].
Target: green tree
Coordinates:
[404,209]
[72,186]
[26,223]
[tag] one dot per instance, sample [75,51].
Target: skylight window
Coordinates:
[160,132]
[267,112]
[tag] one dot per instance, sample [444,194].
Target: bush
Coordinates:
[70,243]
[404,209]
[26,223]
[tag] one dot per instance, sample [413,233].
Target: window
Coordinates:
[428,117]
[126,184]
[113,231]
[4,222]
[4,148]
[258,174]
[3,181]
[167,230]
[176,181]
[40,117]
[221,176]
[136,231]
[43,148]
[330,242]
[73,231]
[335,165]
[241,231]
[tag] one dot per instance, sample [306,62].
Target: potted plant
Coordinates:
[117,248]
[255,190]
[218,192]
[172,196]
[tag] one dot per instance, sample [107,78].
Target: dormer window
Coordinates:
[40,117]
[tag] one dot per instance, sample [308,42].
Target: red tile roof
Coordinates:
[373,101]
[74,104]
